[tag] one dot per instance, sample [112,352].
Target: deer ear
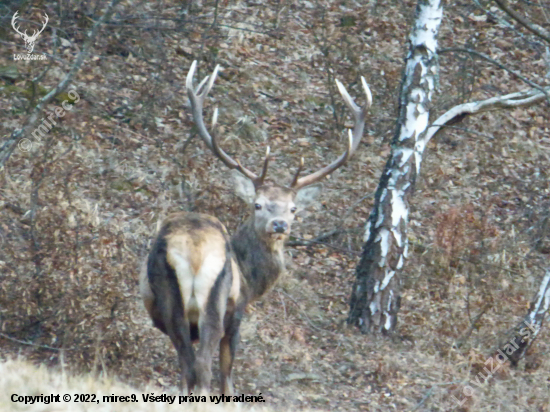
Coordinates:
[243,186]
[306,196]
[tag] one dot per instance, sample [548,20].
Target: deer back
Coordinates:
[190,265]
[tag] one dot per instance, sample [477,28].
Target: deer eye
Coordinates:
[257,206]
[293,210]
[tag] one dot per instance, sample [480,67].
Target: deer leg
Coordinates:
[211,327]
[210,332]
[177,328]
[182,342]
[228,347]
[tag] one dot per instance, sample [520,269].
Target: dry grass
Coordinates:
[18,377]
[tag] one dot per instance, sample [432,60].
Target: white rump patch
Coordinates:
[195,287]
[184,274]
[204,280]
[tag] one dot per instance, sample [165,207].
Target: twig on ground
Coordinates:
[22,342]
[323,236]
[303,312]
[430,392]
[473,322]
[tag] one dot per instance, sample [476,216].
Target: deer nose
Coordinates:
[280,226]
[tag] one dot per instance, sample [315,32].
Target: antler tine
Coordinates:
[359,115]
[297,174]
[368,94]
[196,98]
[211,81]
[297,184]
[14,22]
[261,179]
[224,157]
[214,117]
[37,32]
[190,75]
[199,87]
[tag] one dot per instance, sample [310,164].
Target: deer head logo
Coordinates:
[29,40]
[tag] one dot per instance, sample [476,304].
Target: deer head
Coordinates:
[29,40]
[273,205]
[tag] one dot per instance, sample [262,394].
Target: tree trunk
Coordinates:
[376,294]
[525,333]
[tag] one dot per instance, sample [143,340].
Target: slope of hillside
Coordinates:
[80,206]
[25,387]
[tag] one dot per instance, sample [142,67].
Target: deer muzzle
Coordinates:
[280,226]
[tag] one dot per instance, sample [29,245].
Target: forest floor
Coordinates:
[80,208]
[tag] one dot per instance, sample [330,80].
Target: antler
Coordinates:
[359,114]
[196,97]
[36,33]
[13,20]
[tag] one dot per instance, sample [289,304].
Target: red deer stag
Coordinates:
[198,280]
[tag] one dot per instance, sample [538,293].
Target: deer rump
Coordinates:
[190,278]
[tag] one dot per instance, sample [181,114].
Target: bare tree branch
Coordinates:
[512,100]
[532,27]
[9,145]
[500,65]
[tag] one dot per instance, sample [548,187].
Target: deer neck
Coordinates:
[260,259]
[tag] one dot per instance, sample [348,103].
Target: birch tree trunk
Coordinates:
[525,333]
[376,295]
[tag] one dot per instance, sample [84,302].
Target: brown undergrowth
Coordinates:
[78,211]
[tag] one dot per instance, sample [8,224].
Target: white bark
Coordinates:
[518,99]
[376,295]
[523,335]
[539,310]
